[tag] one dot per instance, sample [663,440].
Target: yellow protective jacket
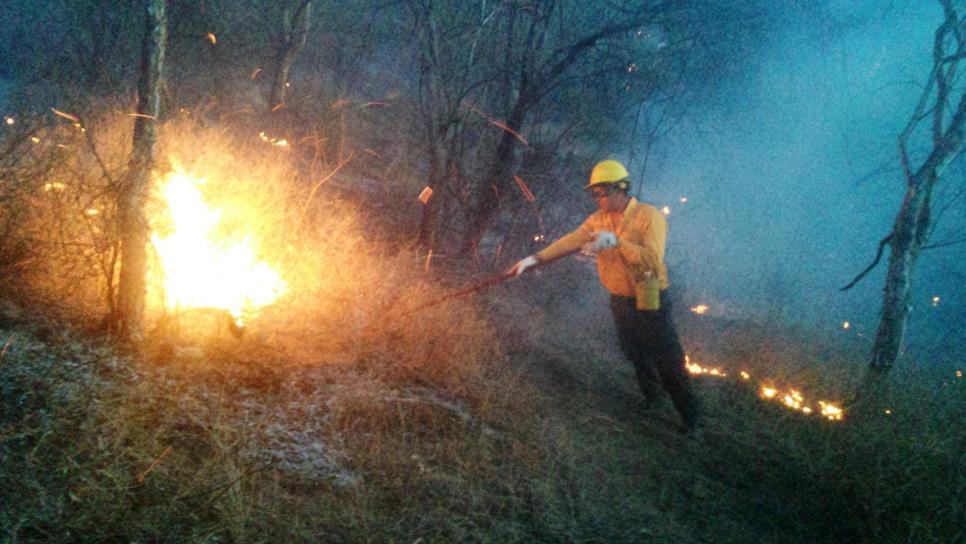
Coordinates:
[641,234]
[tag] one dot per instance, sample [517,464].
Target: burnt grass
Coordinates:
[228,441]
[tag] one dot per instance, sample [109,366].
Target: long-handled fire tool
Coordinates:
[485,284]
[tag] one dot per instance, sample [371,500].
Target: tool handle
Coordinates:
[489,282]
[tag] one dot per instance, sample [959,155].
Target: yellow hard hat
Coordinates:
[606,172]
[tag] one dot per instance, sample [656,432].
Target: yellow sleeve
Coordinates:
[567,243]
[642,245]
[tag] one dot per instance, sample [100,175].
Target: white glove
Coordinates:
[603,239]
[522,265]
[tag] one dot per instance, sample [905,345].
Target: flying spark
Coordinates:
[527,194]
[498,123]
[66,115]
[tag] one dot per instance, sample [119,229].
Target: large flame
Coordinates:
[198,269]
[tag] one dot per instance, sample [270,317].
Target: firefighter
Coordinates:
[628,239]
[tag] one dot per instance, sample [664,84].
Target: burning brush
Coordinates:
[201,267]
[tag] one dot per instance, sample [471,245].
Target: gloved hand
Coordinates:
[603,239]
[522,265]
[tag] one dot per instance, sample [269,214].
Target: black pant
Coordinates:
[649,340]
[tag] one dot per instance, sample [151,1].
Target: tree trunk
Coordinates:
[910,233]
[296,31]
[133,192]
[904,252]
[440,168]
[496,183]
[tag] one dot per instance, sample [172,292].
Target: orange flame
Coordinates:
[198,269]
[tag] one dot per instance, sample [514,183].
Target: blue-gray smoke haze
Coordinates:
[793,178]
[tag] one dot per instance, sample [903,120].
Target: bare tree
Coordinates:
[133,191]
[296,18]
[941,111]
[448,35]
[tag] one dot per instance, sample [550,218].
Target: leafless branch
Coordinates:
[878,257]
[914,120]
[946,243]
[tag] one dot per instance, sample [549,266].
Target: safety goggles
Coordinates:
[601,191]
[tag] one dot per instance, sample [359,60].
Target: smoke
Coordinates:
[791,175]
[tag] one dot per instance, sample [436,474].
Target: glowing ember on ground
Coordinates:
[830,411]
[695,368]
[9,120]
[792,399]
[198,269]
[700,309]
